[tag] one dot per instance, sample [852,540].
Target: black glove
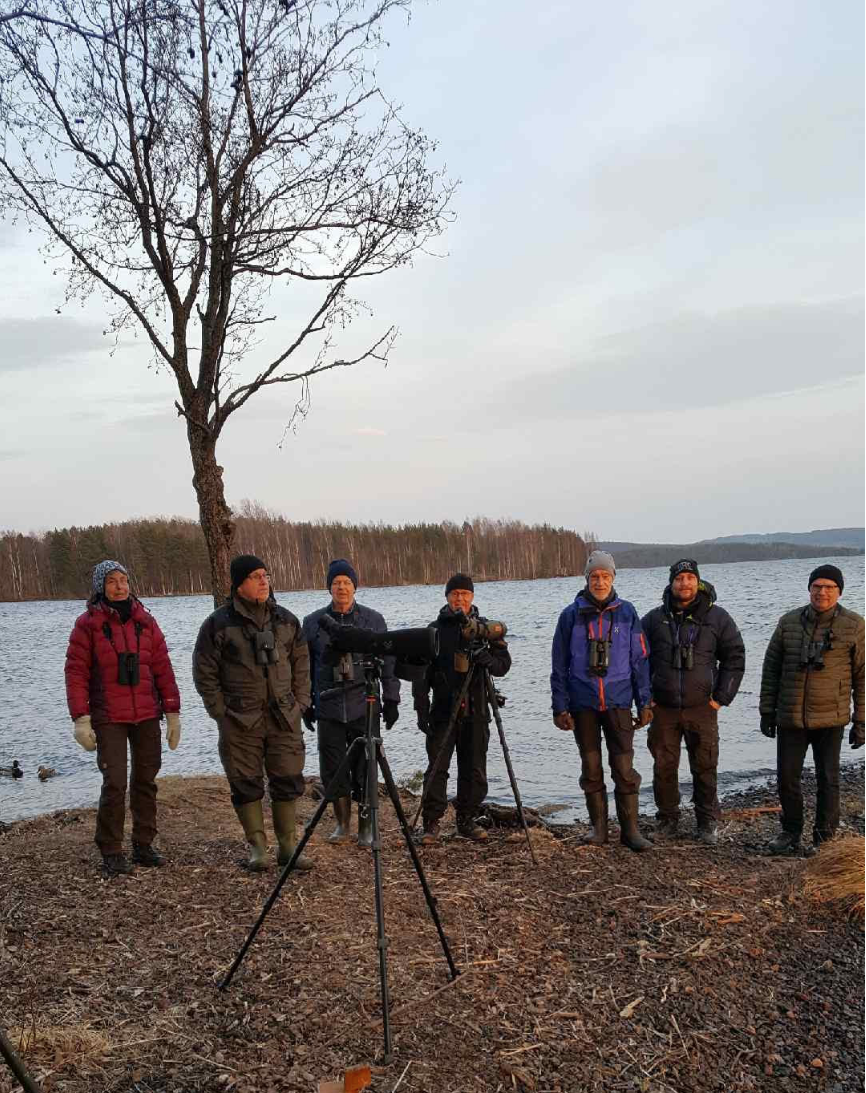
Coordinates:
[484,658]
[768,726]
[856,736]
[390,712]
[424,722]
[309,718]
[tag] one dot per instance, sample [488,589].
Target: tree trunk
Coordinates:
[214,513]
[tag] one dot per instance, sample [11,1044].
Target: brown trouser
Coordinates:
[144,744]
[267,747]
[699,727]
[619,736]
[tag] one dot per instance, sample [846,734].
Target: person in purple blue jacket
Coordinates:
[600,667]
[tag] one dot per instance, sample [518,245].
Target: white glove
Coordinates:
[84,734]
[172,730]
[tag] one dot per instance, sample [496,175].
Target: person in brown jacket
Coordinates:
[813,667]
[251,666]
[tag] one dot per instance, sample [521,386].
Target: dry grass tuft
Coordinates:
[835,876]
[60,1043]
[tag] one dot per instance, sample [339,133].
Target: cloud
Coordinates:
[369,432]
[700,360]
[46,342]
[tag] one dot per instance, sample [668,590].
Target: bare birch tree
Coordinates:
[183,157]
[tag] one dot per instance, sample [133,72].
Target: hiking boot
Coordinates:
[596,804]
[707,834]
[431,833]
[252,821]
[145,855]
[115,865]
[365,826]
[667,826]
[786,842]
[467,828]
[343,816]
[626,811]
[285,828]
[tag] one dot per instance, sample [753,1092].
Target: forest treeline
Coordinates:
[168,557]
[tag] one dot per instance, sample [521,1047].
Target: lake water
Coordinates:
[36,730]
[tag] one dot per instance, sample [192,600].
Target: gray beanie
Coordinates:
[600,559]
[101,571]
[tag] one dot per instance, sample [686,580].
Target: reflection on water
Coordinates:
[36,730]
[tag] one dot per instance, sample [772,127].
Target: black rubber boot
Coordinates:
[252,821]
[146,856]
[115,865]
[343,815]
[626,811]
[284,815]
[596,804]
[365,826]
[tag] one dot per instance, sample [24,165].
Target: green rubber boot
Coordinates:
[343,815]
[283,813]
[252,821]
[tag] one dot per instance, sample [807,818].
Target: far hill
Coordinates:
[647,555]
[824,537]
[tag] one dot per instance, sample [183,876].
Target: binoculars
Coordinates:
[813,655]
[599,656]
[266,647]
[128,669]
[684,657]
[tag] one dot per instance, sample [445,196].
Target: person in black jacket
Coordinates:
[697,658]
[445,676]
[339,698]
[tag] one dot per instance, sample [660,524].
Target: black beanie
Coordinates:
[829,573]
[242,566]
[684,565]
[341,568]
[459,580]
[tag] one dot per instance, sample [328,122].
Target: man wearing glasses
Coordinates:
[251,667]
[813,668]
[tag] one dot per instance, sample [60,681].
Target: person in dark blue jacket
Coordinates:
[339,698]
[600,667]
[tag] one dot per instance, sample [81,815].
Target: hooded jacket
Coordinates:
[797,696]
[718,652]
[446,682]
[98,638]
[573,684]
[333,696]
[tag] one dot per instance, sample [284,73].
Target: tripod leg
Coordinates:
[416,860]
[494,706]
[434,767]
[284,876]
[371,744]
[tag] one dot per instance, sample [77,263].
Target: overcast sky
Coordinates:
[648,320]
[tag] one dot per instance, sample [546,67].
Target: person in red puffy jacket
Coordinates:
[119,683]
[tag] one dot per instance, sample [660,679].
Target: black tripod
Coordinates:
[435,766]
[371,741]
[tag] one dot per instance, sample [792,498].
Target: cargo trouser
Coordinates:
[334,738]
[791,748]
[111,755]
[699,727]
[616,725]
[268,746]
[470,739]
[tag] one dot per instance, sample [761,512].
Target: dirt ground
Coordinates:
[683,969]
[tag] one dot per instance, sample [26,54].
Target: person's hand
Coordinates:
[390,712]
[715,705]
[768,726]
[309,719]
[643,718]
[172,730]
[564,721]
[856,736]
[424,722]
[84,734]
[484,658]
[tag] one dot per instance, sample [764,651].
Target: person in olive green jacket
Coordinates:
[813,668]
[251,666]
